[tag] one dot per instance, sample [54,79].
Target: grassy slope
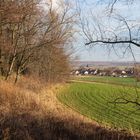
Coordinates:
[92,101]
[30,111]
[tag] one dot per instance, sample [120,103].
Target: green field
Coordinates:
[93,100]
[128,81]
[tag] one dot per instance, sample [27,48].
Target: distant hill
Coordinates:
[103,64]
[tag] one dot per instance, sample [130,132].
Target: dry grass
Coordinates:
[18,100]
[31,111]
[18,104]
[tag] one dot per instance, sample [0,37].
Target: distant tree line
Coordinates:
[35,37]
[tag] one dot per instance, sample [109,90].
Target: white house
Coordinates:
[77,72]
[86,72]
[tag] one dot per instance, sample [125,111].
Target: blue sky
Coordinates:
[102,53]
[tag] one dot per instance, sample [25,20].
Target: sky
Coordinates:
[98,8]
[104,53]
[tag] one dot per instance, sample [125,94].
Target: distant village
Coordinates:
[109,71]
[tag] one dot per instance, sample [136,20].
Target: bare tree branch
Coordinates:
[114,42]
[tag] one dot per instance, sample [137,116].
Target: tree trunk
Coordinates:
[17,75]
[10,68]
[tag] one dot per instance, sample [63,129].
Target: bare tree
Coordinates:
[18,21]
[123,33]
[55,56]
[28,29]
